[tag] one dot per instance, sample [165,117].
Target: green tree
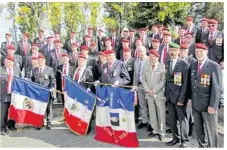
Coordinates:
[54,14]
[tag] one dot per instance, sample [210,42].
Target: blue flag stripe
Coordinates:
[76,91]
[29,89]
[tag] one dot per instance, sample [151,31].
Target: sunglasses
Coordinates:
[211,26]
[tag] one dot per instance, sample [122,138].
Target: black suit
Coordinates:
[73,59]
[86,76]
[130,67]
[203,95]
[44,50]
[68,45]
[117,41]
[40,44]
[156,36]
[100,43]
[191,50]
[97,71]
[199,35]
[160,51]
[216,48]
[176,92]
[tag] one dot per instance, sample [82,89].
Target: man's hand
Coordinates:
[211,110]
[116,83]
[189,104]
[179,104]
[151,92]
[222,65]
[96,83]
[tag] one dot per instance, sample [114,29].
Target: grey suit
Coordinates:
[155,79]
[141,92]
[44,50]
[117,72]
[204,95]
[40,44]
[47,79]
[20,49]
[5,98]
[176,92]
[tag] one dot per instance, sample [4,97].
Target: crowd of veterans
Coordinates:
[178,81]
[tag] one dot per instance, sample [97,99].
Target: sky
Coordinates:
[4,25]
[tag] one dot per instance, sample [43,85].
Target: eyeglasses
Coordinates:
[211,26]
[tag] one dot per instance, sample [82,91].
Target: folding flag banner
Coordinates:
[79,105]
[115,121]
[28,102]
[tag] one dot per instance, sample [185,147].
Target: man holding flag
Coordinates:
[44,75]
[7,73]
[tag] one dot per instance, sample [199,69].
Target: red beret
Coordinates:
[57,41]
[201,46]
[189,18]
[75,44]
[100,30]
[167,33]
[73,32]
[125,40]
[114,30]
[159,26]
[93,44]
[41,56]
[109,52]
[49,37]
[8,34]
[139,39]
[183,46]
[34,45]
[166,28]
[10,58]
[154,52]
[26,34]
[142,29]
[212,21]
[127,49]
[11,47]
[65,55]
[132,30]
[41,30]
[81,55]
[90,28]
[102,53]
[156,40]
[189,33]
[125,31]
[34,58]
[107,39]
[87,36]
[205,19]
[84,47]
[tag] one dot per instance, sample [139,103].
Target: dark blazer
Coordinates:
[4,47]
[47,79]
[117,41]
[161,49]
[130,68]
[177,93]
[208,95]
[216,49]
[4,97]
[68,45]
[100,43]
[199,35]
[133,45]
[85,77]
[191,50]
[97,71]
[41,44]
[73,59]
[155,37]
[44,49]
[20,48]
[117,71]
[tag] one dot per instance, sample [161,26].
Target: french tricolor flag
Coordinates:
[28,102]
[79,105]
[115,121]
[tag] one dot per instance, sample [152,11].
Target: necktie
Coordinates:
[211,38]
[182,41]
[113,42]
[10,79]
[64,71]
[76,77]
[109,66]
[139,70]
[164,54]
[40,72]
[188,30]
[198,68]
[25,47]
[153,66]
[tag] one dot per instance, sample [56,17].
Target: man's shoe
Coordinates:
[152,134]
[168,131]
[14,128]
[149,128]
[136,120]
[184,144]
[141,125]
[48,126]
[162,138]
[37,128]
[173,142]
[89,130]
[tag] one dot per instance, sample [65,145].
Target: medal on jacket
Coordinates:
[208,80]
[202,79]
[114,73]
[219,41]
[45,76]
[177,78]
[205,80]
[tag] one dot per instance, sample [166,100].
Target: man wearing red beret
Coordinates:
[93,53]
[108,45]
[145,38]
[115,41]
[48,47]
[74,55]
[154,34]
[8,42]
[125,44]
[203,30]
[40,40]
[191,27]
[24,47]
[68,43]
[153,81]
[204,97]
[100,40]
[99,66]
[45,76]
[164,48]
[180,40]
[189,41]
[155,44]
[90,32]
[7,72]
[132,39]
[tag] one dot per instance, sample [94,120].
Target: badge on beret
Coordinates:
[114,73]
[46,76]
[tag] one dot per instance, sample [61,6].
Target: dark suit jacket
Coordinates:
[177,93]
[100,43]
[216,49]
[47,79]
[209,95]
[73,59]
[130,68]
[41,44]
[68,45]
[51,59]
[117,41]
[133,45]
[20,49]
[86,76]
[191,50]
[117,71]
[27,65]
[199,35]
[155,37]
[160,51]
[59,75]
[97,71]
[4,97]
[4,47]
[44,49]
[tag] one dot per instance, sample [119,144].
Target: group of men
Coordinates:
[182,75]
